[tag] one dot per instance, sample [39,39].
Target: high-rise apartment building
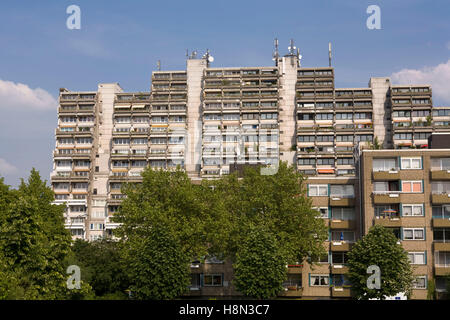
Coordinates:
[207,119]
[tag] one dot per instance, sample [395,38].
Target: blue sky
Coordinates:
[120,41]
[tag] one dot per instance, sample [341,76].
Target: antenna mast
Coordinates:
[329,54]
[158,65]
[275,54]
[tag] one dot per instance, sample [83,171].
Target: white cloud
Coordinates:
[6,168]
[19,95]
[438,77]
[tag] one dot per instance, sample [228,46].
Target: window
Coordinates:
[212,280]
[442,258]
[342,236]
[305,138]
[441,212]
[416,257]
[307,161]
[340,280]
[339,258]
[441,235]
[420,282]
[440,187]
[364,137]
[344,116]
[411,163]
[342,213]
[342,191]
[323,212]
[390,211]
[319,280]
[345,161]
[324,116]
[440,163]
[325,138]
[385,186]
[346,138]
[325,161]
[412,186]
[414,234]
[410,210]
[318,190]
[403,136]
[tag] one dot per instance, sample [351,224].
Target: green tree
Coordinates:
[162,230]
[379,247]
[33,240]
[101,266]
[276,202]
[157,265]
[260,267]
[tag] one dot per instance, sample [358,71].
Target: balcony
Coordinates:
[441,221]
[443,198]
[340,246]
[441,270]
[388,221]
[295,269]
[339,269]
[440,174]
[293,291]
[386,175]
[342,224]
[341,292]
[441,246]
[386,197]
[341,202]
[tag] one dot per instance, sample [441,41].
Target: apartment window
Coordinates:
[411,163]
[307,161]
[385,186]
[159,119]
[345,161]
[325,161]
[412,210]
[97,226]
[364,137]
[158,140]
[442,258]
[416,257]
[441,212]
[323,212]
[420,282]
[342,191]
[123,119]
[390,211]
[318,190]
[441,113]
[440,163]
[344,138]
[421,135]
[403,136]
[412,186]
[269,116]
[342,213]
[305,138]
[250,116]
[413,234]
[65,140]
[139,163]
[176,140]
[84,140]
[212,280]
[80,185]
[344,116]
[343,235]
[440,187]
[325,138]
[306,116]
[324,116]
[441,235]
[319,280]
[340,280]
[339,258]
[120,163]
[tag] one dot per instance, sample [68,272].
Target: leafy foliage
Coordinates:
[260,267]
[33,241]
[379,247]
[101,266]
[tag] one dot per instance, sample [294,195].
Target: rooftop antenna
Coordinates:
[299,57]
[292,48]
[275,54]
[187,53]
[209,58]
[194,54]
[158,65]
[329,53]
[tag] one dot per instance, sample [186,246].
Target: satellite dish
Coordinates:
[210,58]
[300,56]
